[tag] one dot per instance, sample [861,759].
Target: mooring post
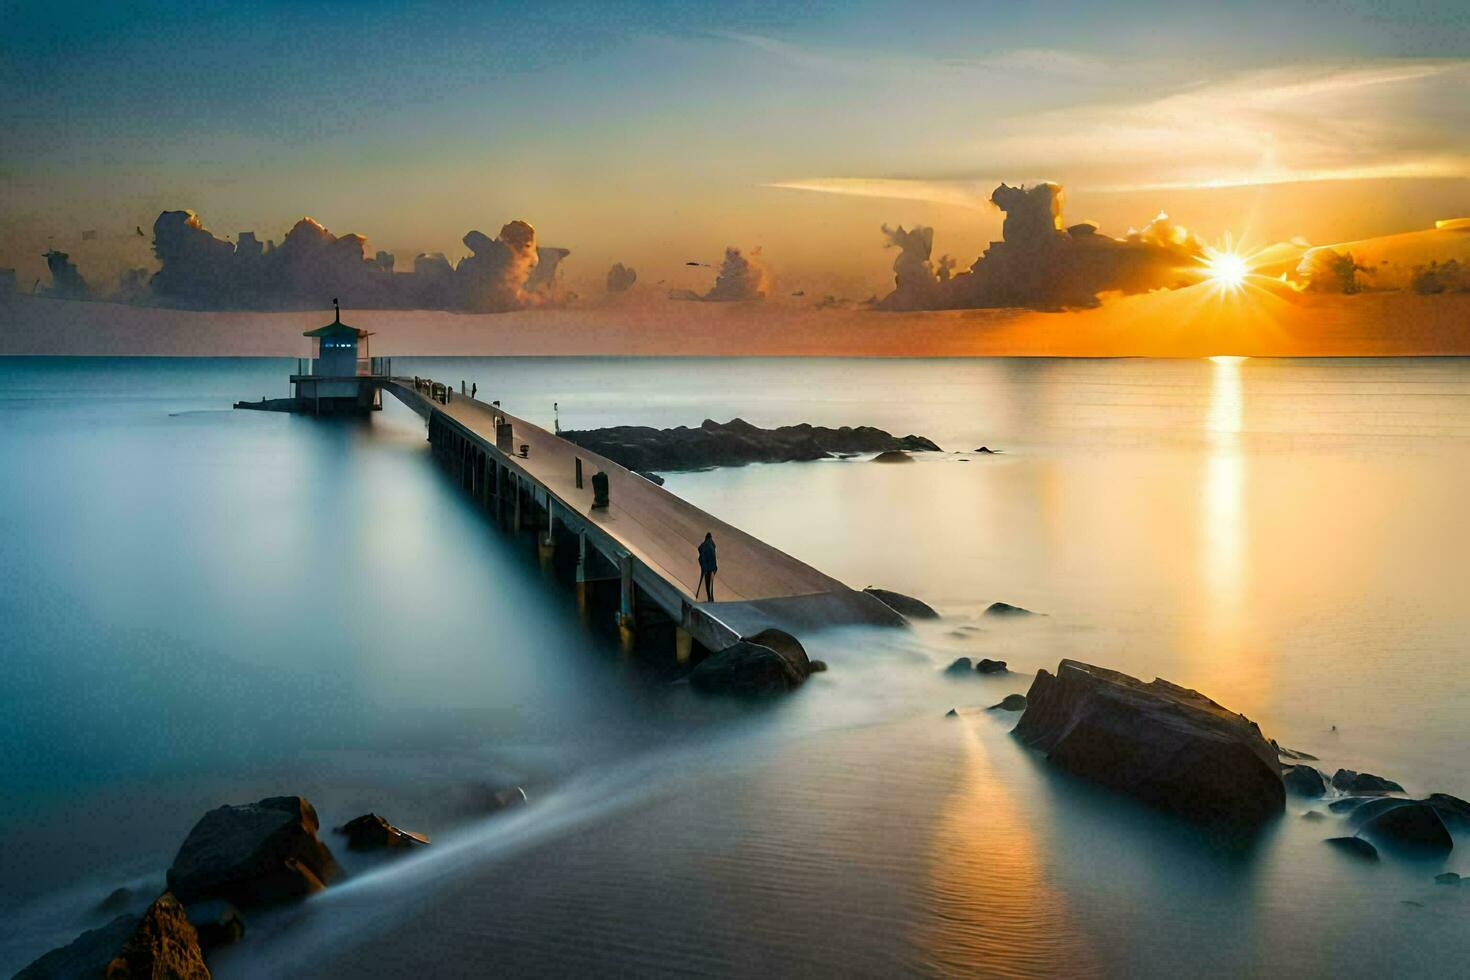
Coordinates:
[579,472]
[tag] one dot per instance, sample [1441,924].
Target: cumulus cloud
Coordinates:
[620,278]
[66,280]
[1039,264]
[741,278]
[311,265]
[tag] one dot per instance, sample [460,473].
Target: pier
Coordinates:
[643,541]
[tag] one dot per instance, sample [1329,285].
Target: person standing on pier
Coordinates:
[707,567]
[474,390]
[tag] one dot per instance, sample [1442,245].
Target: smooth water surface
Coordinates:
[200,606]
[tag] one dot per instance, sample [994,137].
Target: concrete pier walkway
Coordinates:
[650,534]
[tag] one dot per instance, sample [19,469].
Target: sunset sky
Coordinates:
[656,133]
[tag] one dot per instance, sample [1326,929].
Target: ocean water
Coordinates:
[200,606]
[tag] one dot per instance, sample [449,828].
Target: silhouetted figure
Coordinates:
[707,567]
[474,389]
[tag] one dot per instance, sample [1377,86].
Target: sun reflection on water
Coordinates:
[995,909]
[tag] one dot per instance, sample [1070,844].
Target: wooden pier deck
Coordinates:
[653,535]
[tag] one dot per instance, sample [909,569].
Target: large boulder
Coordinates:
[164,945]
[1304,781]
[746,668]
[1011,702]
[987,666]
[85,956]
[1413,825]
[371,832]
[1164,744]
[962,666]
[1452,810]
[906,606]
[253,854]
[786,645]
[1350,781]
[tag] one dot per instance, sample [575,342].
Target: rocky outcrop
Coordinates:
[371,832]
[1006,609]
[1355,846]
[962,666]
[1363,782]
[893,456]
[1011,702]
[987,666]
[1447,878]
[254,854]
[163,945]
[1304,781]
[85,956]
[1161,743]
[735,443]
[746,668]
[906,606]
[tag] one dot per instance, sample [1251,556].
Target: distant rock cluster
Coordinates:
[735,443]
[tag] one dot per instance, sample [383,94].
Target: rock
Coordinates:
[986,450]
[745,668]
[786,645]
[734,443]
[1363,782]
[1314,815]
[1452,810]
[1411,826]
[653,478]
[253,854]
[1006,609]
[817,667]
[1164,744]
[217,922]
[1371,807]
[164,945]
[371,832]
[85,956]
[906,606]
[1447,878]
[1304,781]
[962,665]
[1355,846]
[1011,702]
[893,456]
[1286,753]
[952,713]
[987,666]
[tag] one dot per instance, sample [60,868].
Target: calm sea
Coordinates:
[200,606]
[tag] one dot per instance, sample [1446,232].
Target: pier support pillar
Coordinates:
[582,574]
[515,486]
[683,644]
[625,593]
[546,542]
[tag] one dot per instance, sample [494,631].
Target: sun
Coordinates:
[1226,270]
